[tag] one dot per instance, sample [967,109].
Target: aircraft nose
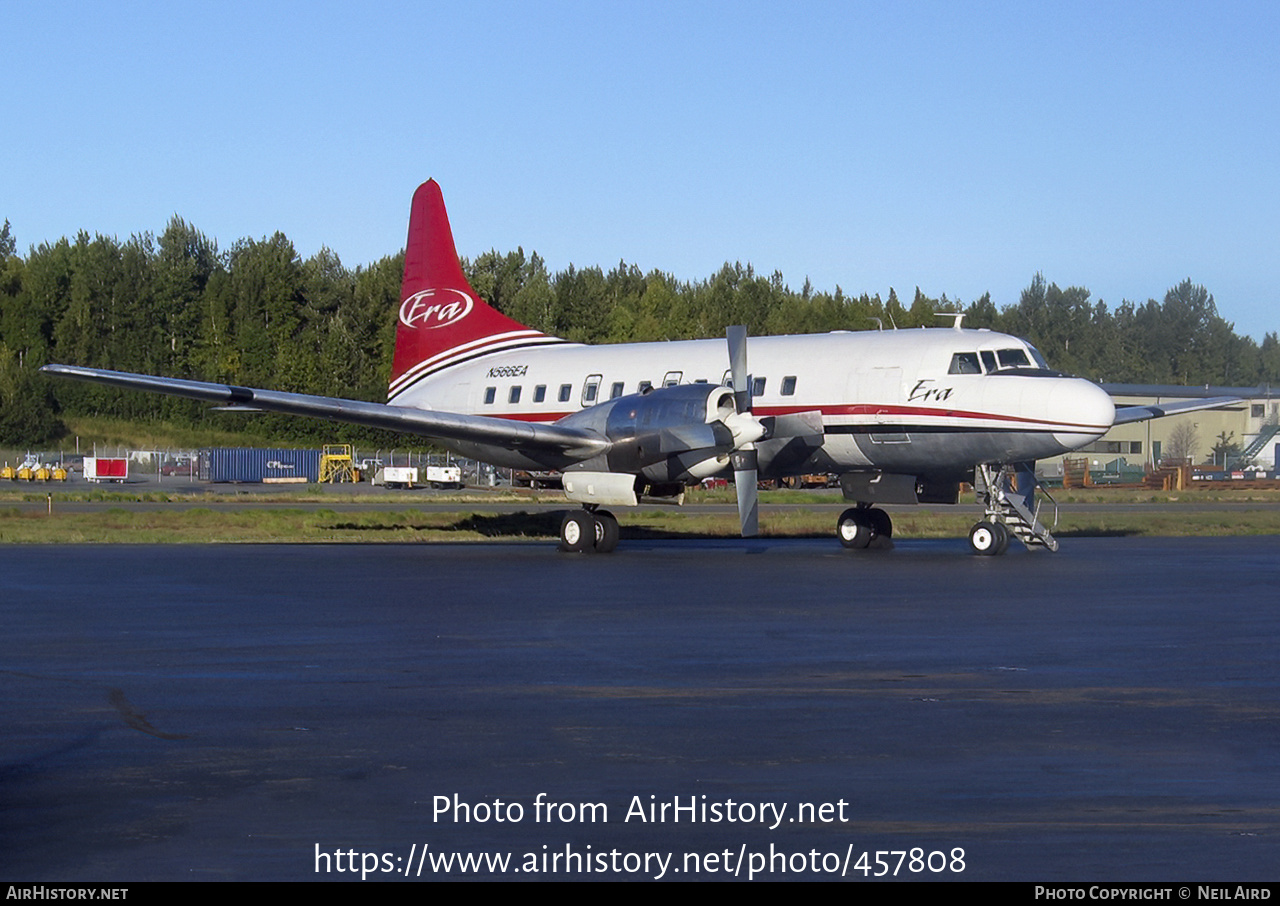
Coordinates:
[1085,411]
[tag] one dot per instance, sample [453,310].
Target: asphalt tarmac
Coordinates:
[295,712]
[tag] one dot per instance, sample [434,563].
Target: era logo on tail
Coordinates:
[425,309]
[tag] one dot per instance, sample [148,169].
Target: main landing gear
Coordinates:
[585,531]
[862,527]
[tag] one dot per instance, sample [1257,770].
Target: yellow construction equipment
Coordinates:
[336,463]
[51,472]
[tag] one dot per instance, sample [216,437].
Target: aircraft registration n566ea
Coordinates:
[902,416]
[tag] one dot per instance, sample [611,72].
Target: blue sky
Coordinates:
[960,147]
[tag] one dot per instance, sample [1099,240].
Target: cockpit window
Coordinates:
[1013,358]
[965,363]
[1025,361]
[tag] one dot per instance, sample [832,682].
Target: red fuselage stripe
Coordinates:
[860,409]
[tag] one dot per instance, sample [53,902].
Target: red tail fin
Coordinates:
[442,321]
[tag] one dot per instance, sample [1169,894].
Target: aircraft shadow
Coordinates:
[1096,533]
[544,524]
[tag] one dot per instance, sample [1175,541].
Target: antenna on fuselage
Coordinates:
[958,315]
[879,323]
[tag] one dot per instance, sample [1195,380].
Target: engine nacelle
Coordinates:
[669,434]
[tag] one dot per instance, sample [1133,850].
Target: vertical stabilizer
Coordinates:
[441,320]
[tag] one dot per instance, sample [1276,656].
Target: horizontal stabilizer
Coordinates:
[1126,414]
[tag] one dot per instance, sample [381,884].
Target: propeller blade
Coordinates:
[737,337]
[744,459]
[745,477]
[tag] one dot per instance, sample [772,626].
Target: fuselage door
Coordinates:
[591,390]
[880,389]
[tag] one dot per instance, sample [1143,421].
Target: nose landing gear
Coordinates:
[990,539]
[1007,492]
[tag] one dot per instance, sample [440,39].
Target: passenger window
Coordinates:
[672,379]
[965,363]
[789,385]
[1014,358]
[540,393]
[646,386]
[591,389]
[757,386]
[616,390]
[989,361]
[566,391]
[490,394]
[514,395]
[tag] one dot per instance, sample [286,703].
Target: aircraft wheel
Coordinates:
[1005,535]
[577,532]
[853,529]
[881,524]
[984,538]
[606,532]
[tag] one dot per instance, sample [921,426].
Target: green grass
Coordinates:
[109,433]
[116,524]
[1215,492]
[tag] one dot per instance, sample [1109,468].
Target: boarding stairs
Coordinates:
[1256,446]
[1008,493]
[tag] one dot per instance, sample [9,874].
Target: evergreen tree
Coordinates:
[28,410]
[260,316]
[184,262]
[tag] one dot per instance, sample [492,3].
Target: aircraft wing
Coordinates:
[575,443]
[1126,414]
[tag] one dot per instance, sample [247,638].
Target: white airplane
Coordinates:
[902,416]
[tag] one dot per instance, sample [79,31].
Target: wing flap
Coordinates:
[575,443]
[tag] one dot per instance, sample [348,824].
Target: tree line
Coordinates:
[259,315]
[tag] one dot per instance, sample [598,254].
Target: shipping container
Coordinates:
[104,468]
[249,464]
